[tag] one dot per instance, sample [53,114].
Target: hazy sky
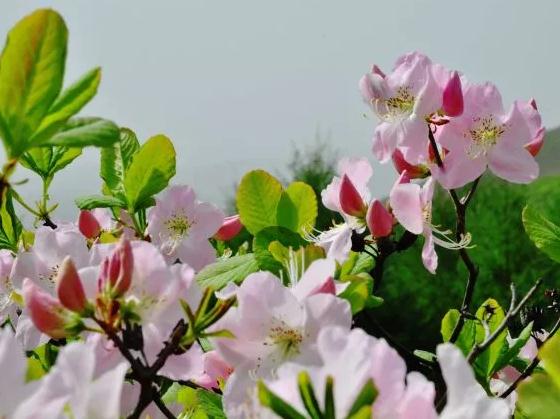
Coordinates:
[236,84]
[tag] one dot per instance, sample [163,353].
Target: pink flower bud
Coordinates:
[351,201]
[88,225]
[117,269]
[229,229]
[69,287]
[534,147]
[453,96]
[379,220]
[47,314]
[415,172]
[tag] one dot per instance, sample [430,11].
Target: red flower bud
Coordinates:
[116,271]
[69,287]
[351,201]
[415,172]
[229,229]
[88,225]
[47,314]
[453,96]
[379,220]
[534,147]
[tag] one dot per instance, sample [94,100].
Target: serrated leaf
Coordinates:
[83,132]
[31,76]
[62,157]
[150,170]
[234,269]
[543,232]
[116,159]
[99,201]
[69,103]
[257,200]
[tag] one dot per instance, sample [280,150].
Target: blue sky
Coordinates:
[238,84]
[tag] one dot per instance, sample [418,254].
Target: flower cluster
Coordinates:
[154,304]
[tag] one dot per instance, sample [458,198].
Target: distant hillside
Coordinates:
[549,157]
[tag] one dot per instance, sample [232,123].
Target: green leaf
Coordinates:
[116,159]
[67,105]
[305,202]
[425,355]
[10,225]
[210,403]
[263,240]
[46,161]
[234,269]
[62,157]
[359,293]
[466,338]
[543,232]
[31,76]
[150,170]
[356,263]
[83,132]
[490,314]
[276,404]
[514,347]
[98,201]
[257,199]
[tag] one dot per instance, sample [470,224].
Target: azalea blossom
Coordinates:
[412,207]
[180,226]
[485,135]
[404,101]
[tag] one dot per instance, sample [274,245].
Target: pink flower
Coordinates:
[181,226]
[229,229]
[47,314]
[412,207]
[216,370]
[403,100]
[8,307]
[466,399]
[486,136]
[271,324]
[354,175]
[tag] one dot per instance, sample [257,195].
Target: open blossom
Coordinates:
[353,174]
[403,100]
[412,207]
[271,324]
[181,226]
[488,136]
[8,309]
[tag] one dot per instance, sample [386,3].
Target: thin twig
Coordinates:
[512,312]
[531,367]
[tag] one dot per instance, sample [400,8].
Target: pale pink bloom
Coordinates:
[466,399]
[14,391]
[8,308]
[412,207]
[180,226]
[485,135]
[402,100]
[337,241]
[87,395]
[271,325]
[352,358]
